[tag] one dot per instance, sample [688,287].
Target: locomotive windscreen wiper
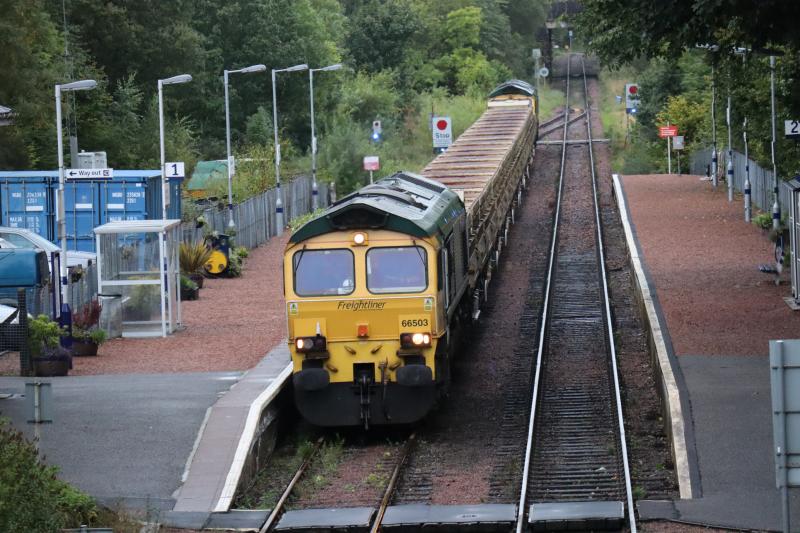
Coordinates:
[300,258]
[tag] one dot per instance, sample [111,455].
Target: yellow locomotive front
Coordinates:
[365,313]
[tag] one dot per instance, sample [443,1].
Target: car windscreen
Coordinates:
[323,272]
[397,269]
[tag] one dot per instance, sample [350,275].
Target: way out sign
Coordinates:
[667,131]
[442,132]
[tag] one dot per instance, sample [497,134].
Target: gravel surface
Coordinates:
[715,300]
[231,327]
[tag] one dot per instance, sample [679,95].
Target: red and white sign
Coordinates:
[667,131]
[631,96]
[442,132]
[372,162]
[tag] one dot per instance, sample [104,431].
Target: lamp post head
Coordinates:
[295,68]
[82,85]
[174,80]
[329,68]
[253,68]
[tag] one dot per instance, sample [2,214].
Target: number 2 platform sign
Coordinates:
[792,129]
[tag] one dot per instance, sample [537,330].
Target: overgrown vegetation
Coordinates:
[670,49]
[404,59]
[32,498]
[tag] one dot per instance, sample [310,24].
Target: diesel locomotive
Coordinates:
[381,284]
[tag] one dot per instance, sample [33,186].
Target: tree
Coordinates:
[622,30]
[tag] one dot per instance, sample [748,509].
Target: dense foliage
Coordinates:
[400,55]
[32,498]
[670,48]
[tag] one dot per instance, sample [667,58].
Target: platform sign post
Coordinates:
[677,146]
[668,132]
[372,163]
[784,363]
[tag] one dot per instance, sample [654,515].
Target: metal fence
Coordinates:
[255,217]
[761,179]
[79,293]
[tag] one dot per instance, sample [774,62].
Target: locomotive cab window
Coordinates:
[323,272]
[397,269]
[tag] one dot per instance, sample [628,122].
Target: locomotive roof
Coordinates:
[513,87]
[403,202]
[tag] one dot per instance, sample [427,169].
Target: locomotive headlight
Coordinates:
[360,239]
[310,344]
[415,340]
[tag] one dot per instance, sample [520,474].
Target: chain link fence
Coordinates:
[255,217]
[761,179]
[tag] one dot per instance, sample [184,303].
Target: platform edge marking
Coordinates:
[246,439]
[670,385]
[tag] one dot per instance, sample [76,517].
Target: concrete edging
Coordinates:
[246,439]
[671,392]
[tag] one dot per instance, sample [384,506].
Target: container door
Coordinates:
[81,202]
[122,200]
[27,204]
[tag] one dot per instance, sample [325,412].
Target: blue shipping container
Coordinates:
[28,200]
[26,203]
[81,202]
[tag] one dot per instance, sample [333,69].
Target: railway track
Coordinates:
[576,466]
[275,520]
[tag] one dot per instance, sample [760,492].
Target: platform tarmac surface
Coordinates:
[701,260]
[121,438]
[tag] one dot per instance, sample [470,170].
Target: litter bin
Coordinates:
[111,314]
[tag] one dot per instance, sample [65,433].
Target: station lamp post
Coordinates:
[246,70]
[175,80]
[82,85]
[314,189]
[279,196]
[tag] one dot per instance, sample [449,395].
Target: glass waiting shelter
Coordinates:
[137,260]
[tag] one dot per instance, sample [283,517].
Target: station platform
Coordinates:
[714,312]
[172,446]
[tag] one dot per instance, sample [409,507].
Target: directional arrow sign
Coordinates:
[89,173]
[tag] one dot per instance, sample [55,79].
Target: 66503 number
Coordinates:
[412,323]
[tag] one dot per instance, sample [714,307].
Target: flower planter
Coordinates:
[52,366]
[190,294]
[83,348]
[197,278]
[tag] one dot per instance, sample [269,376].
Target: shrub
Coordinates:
[234,266]
[44,335]
[32,498]
[193,257]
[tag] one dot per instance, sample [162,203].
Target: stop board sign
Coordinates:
[442,132]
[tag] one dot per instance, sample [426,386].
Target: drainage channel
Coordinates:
[576,472]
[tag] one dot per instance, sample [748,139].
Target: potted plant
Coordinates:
[49,358]
[86,335]
[192,259]
[189,289]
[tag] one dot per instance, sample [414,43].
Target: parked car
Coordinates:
[24,238]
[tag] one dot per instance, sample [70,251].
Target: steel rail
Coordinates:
[387,495]
[289,488]
[606,302]
[554,240]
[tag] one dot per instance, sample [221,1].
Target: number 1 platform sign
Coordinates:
[792,129]
[174,170]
